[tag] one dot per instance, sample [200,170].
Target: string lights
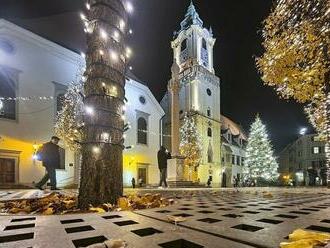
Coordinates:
[296,59]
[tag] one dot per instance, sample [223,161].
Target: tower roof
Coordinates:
[191,18]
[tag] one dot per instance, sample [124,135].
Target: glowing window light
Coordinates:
[88,6]
[131,68]
[130,31]
[101,52]
[128,52]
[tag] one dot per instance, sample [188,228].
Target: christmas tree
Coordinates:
[70,117]
[190,144]
[260,163]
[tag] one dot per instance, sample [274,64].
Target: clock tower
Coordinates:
[199,93]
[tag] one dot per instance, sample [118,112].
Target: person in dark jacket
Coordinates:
[50,157]
[163,156]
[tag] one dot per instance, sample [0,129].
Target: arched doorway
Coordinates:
[224,180]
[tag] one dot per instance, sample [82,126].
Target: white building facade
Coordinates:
[34,75]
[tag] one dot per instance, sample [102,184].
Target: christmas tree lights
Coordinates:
[190,143]
[260,163]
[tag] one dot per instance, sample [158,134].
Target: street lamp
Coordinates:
[1,107]
[303,131]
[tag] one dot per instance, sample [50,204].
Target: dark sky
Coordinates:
[236,25]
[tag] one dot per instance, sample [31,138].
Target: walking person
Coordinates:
[133,183]
[49,154]
[162,157]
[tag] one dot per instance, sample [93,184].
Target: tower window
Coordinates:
[209,132]
[142,131]
[209,112]
[209,92]
[204,46]
[184,45]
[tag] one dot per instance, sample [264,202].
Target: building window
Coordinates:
[184,45]
[316,150]
[299,153]
[8,92]
[209,112]
[142,131]
[233,159]
[242,161]
[229,137]
[210,154]
[60,102]
[238,160]
[209,132]
[209,92]
[142,100]
[204,45]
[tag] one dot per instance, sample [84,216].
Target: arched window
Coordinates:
[183,45]
[210,154]
[209,132]
[208,112]
[142,131]
[59,102]
[204,46]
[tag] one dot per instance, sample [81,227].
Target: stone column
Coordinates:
[175,168]
[174,88]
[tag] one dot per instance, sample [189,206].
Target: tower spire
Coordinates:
[191,17]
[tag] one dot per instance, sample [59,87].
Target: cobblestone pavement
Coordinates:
[214,218]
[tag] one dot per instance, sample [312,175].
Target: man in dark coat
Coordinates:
[50,157]
[163,156]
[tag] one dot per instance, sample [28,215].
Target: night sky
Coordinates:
[236,25]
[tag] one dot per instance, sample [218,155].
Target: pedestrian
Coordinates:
[133,183]
[163,155]
[140,182]
[49,154]
[209,181]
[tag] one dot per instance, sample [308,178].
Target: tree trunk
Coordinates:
[102,143]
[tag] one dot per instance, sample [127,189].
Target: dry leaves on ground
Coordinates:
[305,239]
[57,203]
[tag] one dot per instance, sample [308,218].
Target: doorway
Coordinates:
[224,180]
[7,171]
[143,174]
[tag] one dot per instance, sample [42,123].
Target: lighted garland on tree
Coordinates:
[296,61]
[102,141]
[260,163]
[69,121]
[190,143]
